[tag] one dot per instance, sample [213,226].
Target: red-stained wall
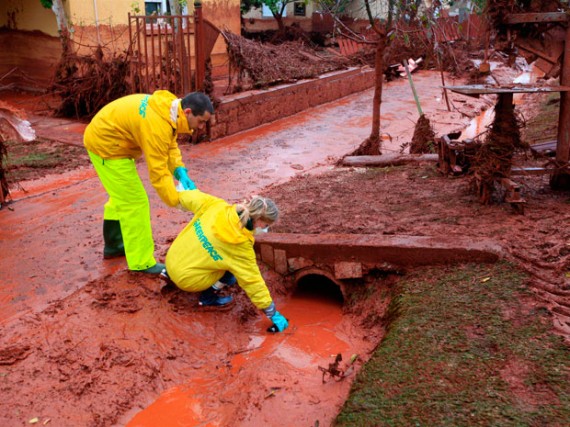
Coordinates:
[247,110]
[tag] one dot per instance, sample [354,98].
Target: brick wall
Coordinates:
[247,110]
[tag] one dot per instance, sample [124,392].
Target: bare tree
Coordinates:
[277,8]
[61,17]
[382,29]
[382,34]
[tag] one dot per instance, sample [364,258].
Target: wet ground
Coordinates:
[85,342]
[234,167]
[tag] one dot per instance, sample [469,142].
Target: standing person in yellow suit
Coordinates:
[216,250]
[118,135]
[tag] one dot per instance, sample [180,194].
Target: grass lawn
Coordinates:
[465,346]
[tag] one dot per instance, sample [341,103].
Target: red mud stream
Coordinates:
[285,384]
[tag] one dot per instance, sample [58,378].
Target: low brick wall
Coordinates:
[247,110]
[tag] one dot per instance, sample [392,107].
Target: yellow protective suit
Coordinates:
[214,242]
[119,134]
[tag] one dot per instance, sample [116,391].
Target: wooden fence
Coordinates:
[170,52]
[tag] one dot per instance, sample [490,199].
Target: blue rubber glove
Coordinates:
[181,174]
[279,323]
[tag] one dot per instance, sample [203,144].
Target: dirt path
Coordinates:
[84,342]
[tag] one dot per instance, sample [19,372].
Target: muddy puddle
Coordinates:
[273,379]
[127,350]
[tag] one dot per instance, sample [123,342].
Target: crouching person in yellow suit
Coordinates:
[216,250]
[119,134]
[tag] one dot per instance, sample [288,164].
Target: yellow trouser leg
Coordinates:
[128,203]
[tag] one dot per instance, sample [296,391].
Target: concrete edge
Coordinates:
[372,249]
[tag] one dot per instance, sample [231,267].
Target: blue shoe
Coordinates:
[209,298]
[155,269]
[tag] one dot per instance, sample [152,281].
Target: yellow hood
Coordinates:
[227,227]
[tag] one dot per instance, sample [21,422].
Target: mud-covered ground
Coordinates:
[104,351]
[102,355]
[108,348]
[417,200]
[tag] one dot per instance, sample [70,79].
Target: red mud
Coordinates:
[85,342]
[233,168]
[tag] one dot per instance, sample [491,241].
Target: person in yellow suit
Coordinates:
[216,250]
[119,134]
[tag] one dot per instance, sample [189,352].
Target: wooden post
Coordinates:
[199,45]
[130,52]
[561,179]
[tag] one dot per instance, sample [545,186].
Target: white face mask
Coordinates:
[259,230]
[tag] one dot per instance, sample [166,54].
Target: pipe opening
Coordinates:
[316,286]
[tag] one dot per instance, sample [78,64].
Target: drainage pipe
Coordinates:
[314,271]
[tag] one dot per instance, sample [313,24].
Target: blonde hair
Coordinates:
[257,207]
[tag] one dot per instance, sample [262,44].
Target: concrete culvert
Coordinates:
[320,287]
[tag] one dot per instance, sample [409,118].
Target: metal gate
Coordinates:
[170,52]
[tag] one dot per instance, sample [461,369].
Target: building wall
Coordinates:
[28,58]
[93,23]
[269,24]
[30,15]
[379,9]
[27,15]
[113,20]
[256,13]
[114,13]
[224,14]
[99,12]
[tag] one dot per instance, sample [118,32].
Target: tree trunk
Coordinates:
[280,24]
[59,11]
[62,26]
[379,76]
[371,145]
[175,7]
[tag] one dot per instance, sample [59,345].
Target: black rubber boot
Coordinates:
[113,238]
[157,268]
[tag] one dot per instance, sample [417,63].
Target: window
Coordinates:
[151,7]
[266,12]
[299,9]
[158,7]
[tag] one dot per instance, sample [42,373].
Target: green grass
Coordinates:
[29,160]
[453,336]
[29,154]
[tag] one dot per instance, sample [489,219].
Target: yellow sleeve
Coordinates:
[196,201]
[159,174]
[174,156]
[244,267]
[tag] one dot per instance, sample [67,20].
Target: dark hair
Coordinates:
[198,102]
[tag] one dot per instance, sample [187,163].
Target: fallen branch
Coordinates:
[388,159]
